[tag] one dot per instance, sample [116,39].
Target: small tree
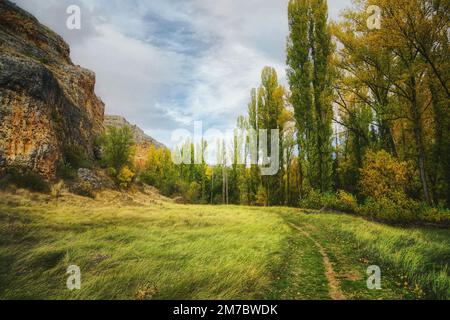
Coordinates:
[117,153]
[118,147]
[125,177]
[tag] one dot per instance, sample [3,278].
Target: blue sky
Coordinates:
[166,63]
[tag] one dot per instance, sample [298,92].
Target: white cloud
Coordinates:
[130,73]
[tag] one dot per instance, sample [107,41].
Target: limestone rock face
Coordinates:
[46,102]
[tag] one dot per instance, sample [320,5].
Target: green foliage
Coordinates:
[25,179]
[66,171]
[193,193]
[117,147]
[160,171]
[346,202]
[83,189]
[384,176]
[399,210]
[125,177]
[385,209]
[404,211]
[261,196]
[315,200]
[75,156]
[341,201]
[309,73]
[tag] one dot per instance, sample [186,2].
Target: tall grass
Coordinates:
[160,250]
[135,252]
[421,254]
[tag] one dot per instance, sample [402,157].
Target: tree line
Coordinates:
[363,123]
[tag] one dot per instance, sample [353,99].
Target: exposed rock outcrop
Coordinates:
[46,102]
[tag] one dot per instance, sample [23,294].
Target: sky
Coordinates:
[163,64]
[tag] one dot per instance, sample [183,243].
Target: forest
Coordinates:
[364,122]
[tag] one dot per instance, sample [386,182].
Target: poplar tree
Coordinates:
[309,52]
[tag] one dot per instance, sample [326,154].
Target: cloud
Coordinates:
[164,64]
[53,14]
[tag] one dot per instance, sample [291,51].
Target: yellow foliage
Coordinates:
[383,176]
[125,177]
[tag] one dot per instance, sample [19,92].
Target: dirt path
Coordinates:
[333,282]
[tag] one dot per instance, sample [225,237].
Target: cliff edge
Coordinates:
[47,103]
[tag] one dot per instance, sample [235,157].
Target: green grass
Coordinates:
[415,261]
[164,251]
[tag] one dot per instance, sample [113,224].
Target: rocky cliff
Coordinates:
[47,103]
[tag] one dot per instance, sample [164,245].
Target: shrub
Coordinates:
[317,201]
[111,172]
[160,171]
[385,209]
[66,171]
[346,202]
[117,147]
[27,180]
[439,216]
[193,193]
[261,197]
[83,189]
[125,177]
[56,189]
[384,176]
[75,157]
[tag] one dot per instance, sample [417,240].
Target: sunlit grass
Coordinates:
[180,252]
[161,250]
[416,259]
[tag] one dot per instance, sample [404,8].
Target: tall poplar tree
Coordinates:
[309,51]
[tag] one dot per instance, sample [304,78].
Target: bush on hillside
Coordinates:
[386,209]
[384,176]
[22,178]
[193,193]
[75,157]
[66,171]
[261,196]
[83,189]
[341,201]
[125,177]
[117,147]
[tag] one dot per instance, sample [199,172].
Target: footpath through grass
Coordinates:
[166,251]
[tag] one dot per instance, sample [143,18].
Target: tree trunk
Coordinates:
[417,129]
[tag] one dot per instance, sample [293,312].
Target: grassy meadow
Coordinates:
[132,249]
